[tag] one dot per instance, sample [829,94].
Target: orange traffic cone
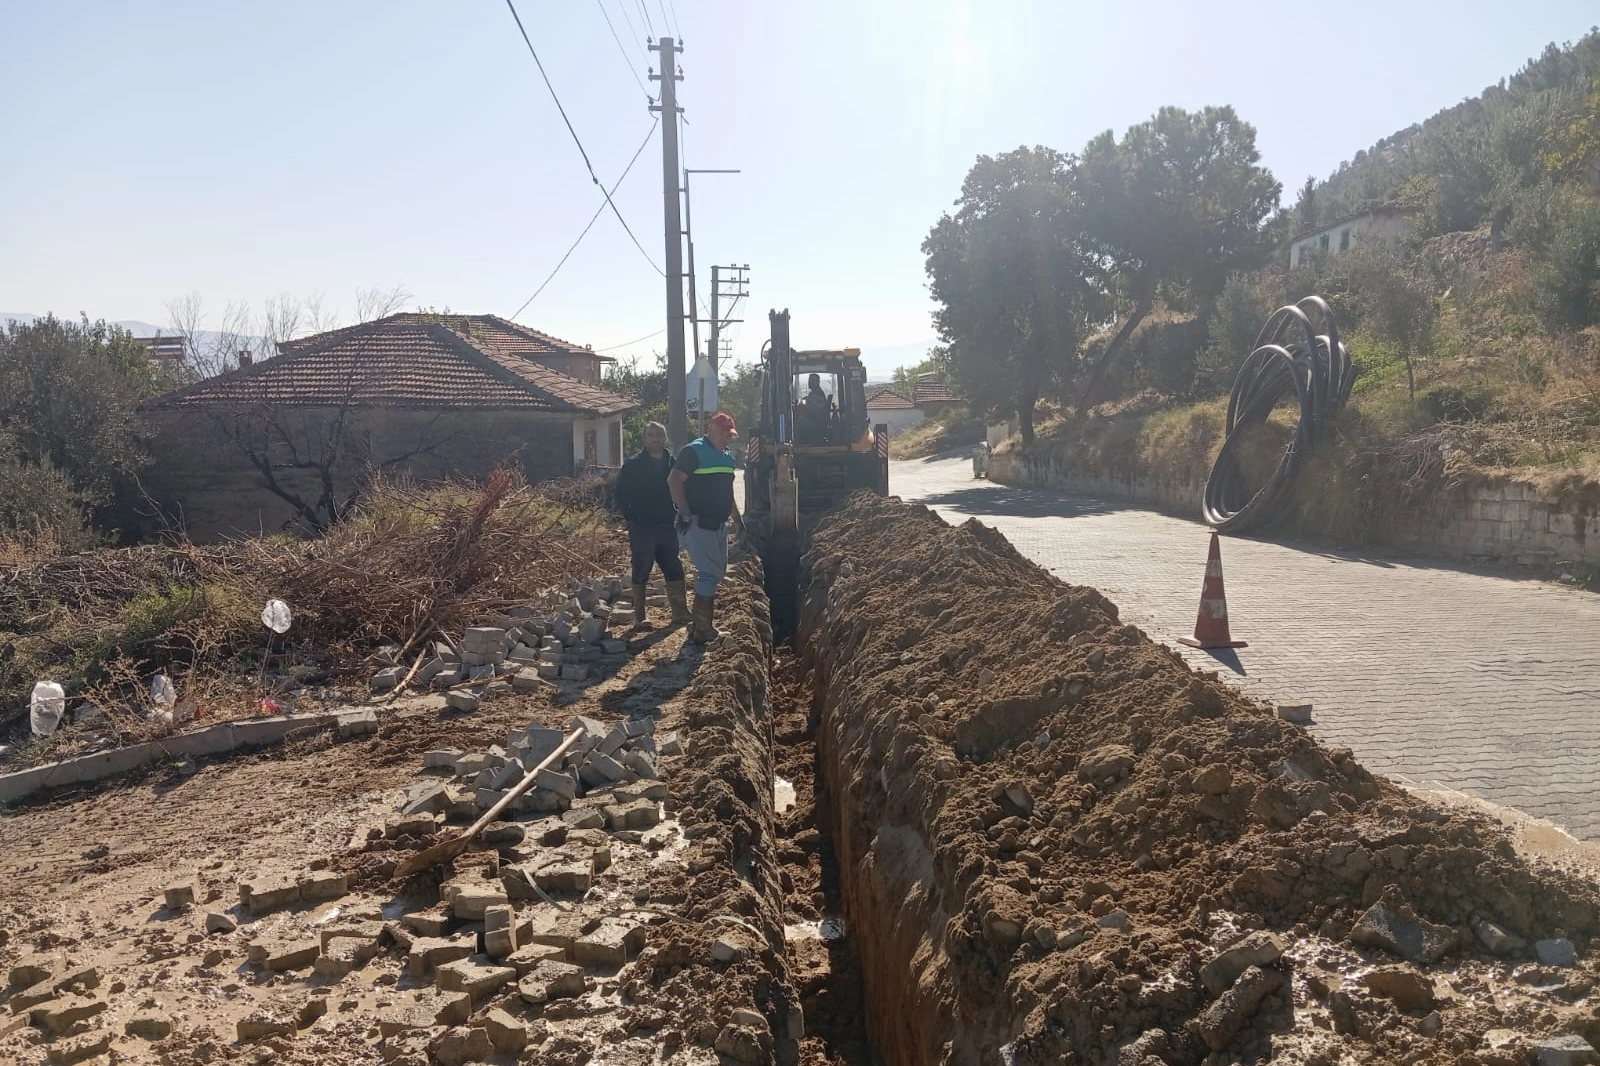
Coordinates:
[1211,627]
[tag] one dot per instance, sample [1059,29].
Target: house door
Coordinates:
[591,448]
[616,444]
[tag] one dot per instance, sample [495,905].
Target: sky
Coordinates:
[243,151]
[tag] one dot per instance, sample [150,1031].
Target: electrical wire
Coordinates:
[673,4]
[592,219]
[1289,355]
[622,5]
[637,80]
[665,24]
[645,12]
[592,175]
[636,340]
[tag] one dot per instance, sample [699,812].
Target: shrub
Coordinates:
[1456,403]
[1241,310]
[39,503]
[1567,283]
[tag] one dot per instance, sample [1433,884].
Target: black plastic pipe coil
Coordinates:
[1297,350]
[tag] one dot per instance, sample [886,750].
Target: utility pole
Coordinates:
[688,232]
[737,280]
[672,225]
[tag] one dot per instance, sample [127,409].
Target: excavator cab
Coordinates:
[814,443]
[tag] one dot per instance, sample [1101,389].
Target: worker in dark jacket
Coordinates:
[646,503]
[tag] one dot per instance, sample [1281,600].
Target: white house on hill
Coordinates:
[1387,223]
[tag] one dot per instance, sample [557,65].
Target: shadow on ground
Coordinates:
[985,498]
[1006,501]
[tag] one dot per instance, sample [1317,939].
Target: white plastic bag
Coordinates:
[46,708]
[162,694]
[276,617]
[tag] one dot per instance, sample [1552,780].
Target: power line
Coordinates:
[644,11]
[664,23]
[673,4]
[631,69]
[636,340]
[623,6]
[592,176]
[597,213]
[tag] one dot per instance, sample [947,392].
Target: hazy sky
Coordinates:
[244,150]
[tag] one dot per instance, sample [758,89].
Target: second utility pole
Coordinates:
[672,224]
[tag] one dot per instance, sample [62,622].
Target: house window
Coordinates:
[616,444]
[591,448]
[1322,242]
[1344,239]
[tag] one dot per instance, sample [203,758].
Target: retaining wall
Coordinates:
[1503,521]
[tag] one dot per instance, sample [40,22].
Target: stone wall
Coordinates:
[1502,521]
[204,482]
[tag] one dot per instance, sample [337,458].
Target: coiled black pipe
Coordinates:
[1297,350]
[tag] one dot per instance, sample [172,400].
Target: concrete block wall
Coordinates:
[1503,521]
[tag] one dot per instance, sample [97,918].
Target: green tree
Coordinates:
[1394,300]
[649,389]
[1013,286]
[739,394]
[905,377]
[1305,209]
[1181,200]
[69,400]
[1241,310]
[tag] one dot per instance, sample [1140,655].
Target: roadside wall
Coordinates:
[1503,521]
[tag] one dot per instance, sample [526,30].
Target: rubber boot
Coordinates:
[703,631]
[678,597]
[640,622]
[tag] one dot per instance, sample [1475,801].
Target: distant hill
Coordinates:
[1478,149]
[132,325]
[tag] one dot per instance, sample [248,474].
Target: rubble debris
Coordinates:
[1558,951]
[1568,1050]
[179,896]
[1408,989]
[1255,949]
[1399,931]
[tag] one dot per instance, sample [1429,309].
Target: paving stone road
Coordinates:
[1434,675]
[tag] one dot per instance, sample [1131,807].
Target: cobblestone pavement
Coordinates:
[1435,676]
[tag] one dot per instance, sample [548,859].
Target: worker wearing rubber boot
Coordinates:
[702,489]
[646,504]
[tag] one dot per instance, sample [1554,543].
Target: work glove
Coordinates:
[682,524]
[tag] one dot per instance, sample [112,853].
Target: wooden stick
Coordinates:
[448,850]
[394,693]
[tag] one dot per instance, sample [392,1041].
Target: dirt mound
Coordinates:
[1086,852]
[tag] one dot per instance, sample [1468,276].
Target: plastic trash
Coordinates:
[162,694]
[276,616]
[46,707]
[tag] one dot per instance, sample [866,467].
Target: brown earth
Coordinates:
[1051,826]
[84,876]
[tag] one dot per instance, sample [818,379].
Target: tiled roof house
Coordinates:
[432,395]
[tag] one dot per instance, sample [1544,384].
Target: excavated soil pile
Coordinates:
[1059,844]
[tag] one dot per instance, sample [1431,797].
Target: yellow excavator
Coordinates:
[813,444]
[807,452]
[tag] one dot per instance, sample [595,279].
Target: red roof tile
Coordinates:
[931,390]
[412,360]
[886,399]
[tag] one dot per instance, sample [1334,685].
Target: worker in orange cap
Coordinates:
[701,484]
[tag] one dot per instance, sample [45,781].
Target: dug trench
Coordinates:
[968,817]
[1056,843]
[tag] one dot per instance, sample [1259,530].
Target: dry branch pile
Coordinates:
[410,563]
